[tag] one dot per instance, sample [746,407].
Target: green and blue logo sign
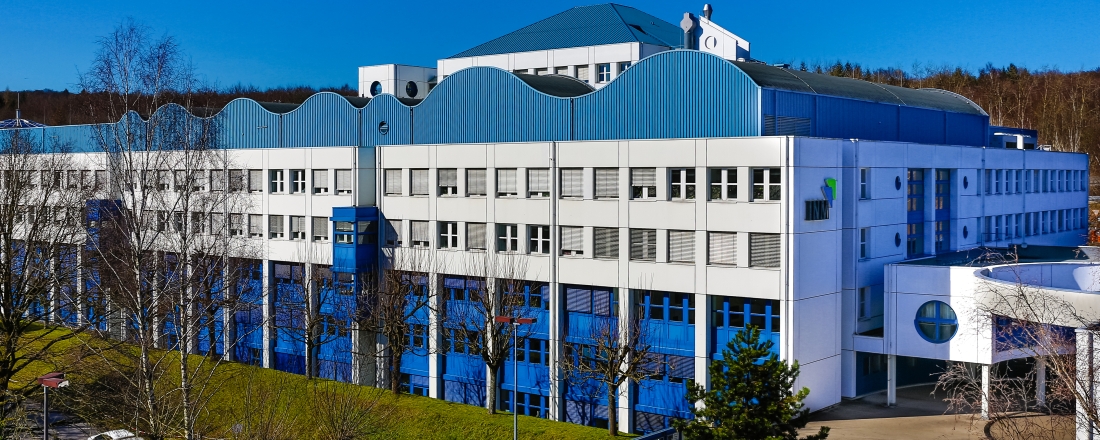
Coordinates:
[829,190]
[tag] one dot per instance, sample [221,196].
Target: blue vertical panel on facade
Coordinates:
[921,125]
[324,120]
[793,104]
[849,118]
[767,101]
[963,129]
[674,94]
[396,116]
[487,104]
[243,123]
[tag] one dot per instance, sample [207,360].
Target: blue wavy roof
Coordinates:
[584,26]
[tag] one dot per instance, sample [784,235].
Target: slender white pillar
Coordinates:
[1040,382]
[1086,380]
[269,334]
[891,380]
[985,392]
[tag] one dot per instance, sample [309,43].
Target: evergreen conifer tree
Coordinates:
[751,396]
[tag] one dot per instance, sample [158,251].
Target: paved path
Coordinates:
[918,415]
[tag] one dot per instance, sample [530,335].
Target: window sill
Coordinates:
[681,263]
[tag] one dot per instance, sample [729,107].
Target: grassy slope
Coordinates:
[412,417]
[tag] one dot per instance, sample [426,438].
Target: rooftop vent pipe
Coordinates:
[707,11]
[688,25]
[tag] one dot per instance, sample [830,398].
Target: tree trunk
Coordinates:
[493,389]
[185,389]
[395,371]
[612,412]
[311,360]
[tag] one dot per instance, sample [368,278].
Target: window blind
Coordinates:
[419,183]
[643,177]
[722,248]
[343,181]
[275,224]
[320,181]
[582,73]
[681,246]
[320,228]
[255,180]
[418,231]
[297,226]
[393,182]
[578,300]
[538,182]
[217,180]
[606,241]
[572,182]
[572,240]
[393,233]
[643,244]
[475,236]
[506,182]
[607,183]
[255,225]
[475,182]
[448,177]
[764,250]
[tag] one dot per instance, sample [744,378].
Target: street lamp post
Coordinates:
[52,380]
[515,322]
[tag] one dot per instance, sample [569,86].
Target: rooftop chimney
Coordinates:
[688,25]
[707,11]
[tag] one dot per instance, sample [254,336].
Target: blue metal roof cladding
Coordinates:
[584,26]
[672,94]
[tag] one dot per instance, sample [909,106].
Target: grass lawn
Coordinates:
[290,401]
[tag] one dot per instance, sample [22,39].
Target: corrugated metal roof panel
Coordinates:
[244,123]
[324,120]
[583,26]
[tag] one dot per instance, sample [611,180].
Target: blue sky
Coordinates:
[278,43]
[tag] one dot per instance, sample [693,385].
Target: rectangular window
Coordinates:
[100,179]
[764,250]
[217,180]
[343,182]
[561,70]
[297,227]
[864,234]
[448,182]
[864,183]
[723,183]
[643,244]
[1046,181]
[582,73]
[605,242]
[393,232]
[681,246]
[507,238]
[572,183]
[941,236]
[418,182]
[320,182]
[682,184]
[539,239]
[506,183]
[393,182]
[320,228]
[448,235]
[298,181]
[255,225]
[275,178]
[604,72]
[236,225]
[643,183]
[988,182]
[607,183]
[418,234]
[475,182]
[766,184]
[623,66]
[997,181]
[475,236]
[722,248]
[572,240]
[538,182]
[179,180]
[275,226]
[864,307]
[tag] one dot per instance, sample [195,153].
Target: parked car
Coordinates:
[118,434]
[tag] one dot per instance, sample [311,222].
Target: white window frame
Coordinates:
[681,184]
[538,239]
[448,235]
[447,182]
[725,181]
[640,187]
[603,72]
[297,181]
[864,183]
[507,235]
[766,185]
[864,243]
[276,181]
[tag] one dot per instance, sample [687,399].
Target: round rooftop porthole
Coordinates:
[383,128]
[897,240]
[375,88]
[965,232]
[936,322]
[897,182]
[411,89]
[965,182]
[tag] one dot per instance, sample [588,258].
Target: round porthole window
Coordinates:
[375,88]
[897,182]
[383,128]
[897,240]
[411,89]
[965,182]
[936,322]
[965,232]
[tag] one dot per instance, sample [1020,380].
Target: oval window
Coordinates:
[965,182]
[375,88]
[383,128]
[411,90]
[965,232]
[897,182]
[897,240]
[936,322]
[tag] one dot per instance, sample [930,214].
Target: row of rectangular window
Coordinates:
[194,180]
[581,72]
[764,249]
[1034,181]
[70,179]
[1009,226]
[766,183]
